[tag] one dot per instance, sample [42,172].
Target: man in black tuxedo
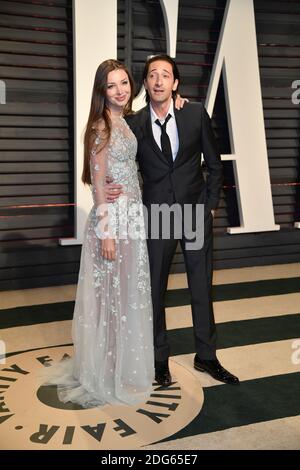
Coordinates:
[170,143]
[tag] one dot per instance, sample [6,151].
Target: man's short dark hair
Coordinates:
[166,58]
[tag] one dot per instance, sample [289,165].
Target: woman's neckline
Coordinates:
[117,118]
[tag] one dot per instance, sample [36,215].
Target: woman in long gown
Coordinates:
[112,326]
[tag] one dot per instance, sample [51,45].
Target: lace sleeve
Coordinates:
[98,168]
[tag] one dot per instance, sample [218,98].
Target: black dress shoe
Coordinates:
[162,374]
[163,377]
[214,368]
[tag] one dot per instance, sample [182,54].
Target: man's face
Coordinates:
[160,81]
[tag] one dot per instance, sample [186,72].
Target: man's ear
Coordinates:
[145,85]
[176,83]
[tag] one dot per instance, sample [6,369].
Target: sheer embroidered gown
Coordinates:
[112,326]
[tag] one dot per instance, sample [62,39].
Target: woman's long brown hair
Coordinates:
[100,111]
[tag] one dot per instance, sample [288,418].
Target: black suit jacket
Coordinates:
[180,181]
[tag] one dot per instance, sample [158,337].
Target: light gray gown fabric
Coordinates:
[112,327]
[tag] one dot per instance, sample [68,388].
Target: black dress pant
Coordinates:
[199,274]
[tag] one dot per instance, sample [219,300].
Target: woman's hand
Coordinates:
[180,102]
[108,248]
[112,190]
